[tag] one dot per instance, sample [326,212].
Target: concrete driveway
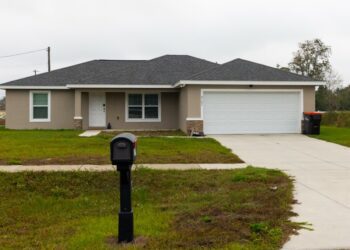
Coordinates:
[322,173]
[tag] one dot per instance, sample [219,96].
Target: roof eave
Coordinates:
[93,86]
[31,87]
[257,83]
[169,86]
[124,86]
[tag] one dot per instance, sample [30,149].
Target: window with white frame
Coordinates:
[39,106]
[143,107]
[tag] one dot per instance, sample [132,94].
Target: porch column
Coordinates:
[78,119]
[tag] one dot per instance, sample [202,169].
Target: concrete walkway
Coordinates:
[322,172]
[89,133]
[21,168]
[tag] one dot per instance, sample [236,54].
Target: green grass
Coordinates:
[334,134]
[65,147]
[192,209]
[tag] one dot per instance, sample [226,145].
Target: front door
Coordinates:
[97,110]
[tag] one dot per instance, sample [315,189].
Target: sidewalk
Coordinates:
[21,168]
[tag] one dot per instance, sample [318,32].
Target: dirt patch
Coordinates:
[72,160]
[139,242]
[147,133]
[253,219]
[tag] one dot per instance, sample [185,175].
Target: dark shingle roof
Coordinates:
[73,74]
[167,69]
[243,70]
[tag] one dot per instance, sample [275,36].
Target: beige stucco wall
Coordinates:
[176,106]
[85,109]
[17,110]
[115,106]
[62,110]
[193,93]
[183,108]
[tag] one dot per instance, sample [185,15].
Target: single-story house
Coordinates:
[165,93]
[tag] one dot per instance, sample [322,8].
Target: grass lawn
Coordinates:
[192,209]
[65,147]
[334,134]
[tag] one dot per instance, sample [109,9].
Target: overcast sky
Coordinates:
[218,30]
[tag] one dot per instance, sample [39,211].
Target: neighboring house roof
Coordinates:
[243,70]
[164,70]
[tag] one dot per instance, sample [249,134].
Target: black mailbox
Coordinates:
[123,154]
[123,150]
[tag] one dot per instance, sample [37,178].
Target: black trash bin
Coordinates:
[312,123]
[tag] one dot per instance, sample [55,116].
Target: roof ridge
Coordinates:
[184,55]
[109,72]
[204,71]
[248,61]
[142,62]
[119,60]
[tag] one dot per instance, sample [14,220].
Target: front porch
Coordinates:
[151,109]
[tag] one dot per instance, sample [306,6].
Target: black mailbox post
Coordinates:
[123,154]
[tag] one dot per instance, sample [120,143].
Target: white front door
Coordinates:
[252,112]
[97,110]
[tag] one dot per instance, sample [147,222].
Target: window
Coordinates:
[40,106]
[143,107]
[135,106]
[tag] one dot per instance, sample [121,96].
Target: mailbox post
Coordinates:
[123,154]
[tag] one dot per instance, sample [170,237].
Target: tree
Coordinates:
[323,95]
[327,97]
[311,59]
[2,103]
[343,97]
[333,80]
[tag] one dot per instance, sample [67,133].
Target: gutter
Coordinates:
[32,87]
[183,83]
[180,84]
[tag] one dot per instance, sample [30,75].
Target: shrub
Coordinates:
[338,119]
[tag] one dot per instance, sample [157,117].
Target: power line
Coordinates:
[23,53]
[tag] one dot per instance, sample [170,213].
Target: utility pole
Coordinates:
[35,71]
[48,59]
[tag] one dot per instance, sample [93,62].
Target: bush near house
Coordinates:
[336,119]
[2,118]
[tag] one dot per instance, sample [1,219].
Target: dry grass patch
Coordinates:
[193,209]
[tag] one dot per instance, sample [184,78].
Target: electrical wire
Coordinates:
[23,53]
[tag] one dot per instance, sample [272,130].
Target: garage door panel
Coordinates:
[252,116]
[253,112]
[247,127]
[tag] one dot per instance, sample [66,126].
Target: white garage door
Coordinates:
[251,112]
